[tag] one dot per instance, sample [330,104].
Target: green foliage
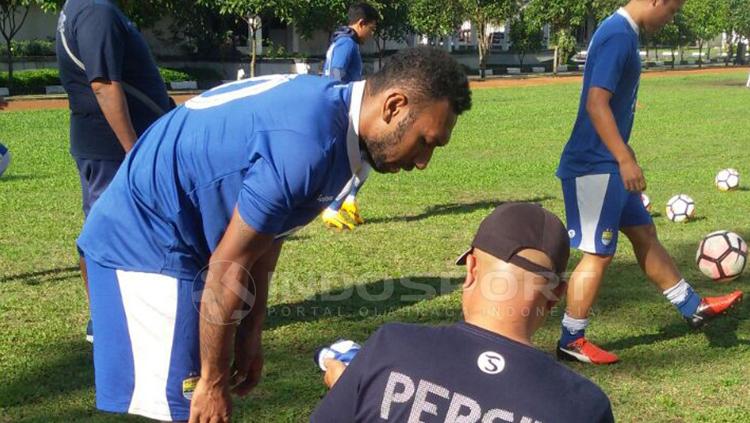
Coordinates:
[526,35]
[436,18]
[30,48]
[173,75]
[30,81]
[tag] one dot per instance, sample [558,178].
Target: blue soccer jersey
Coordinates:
[614,64]
[343,59]
[277,148]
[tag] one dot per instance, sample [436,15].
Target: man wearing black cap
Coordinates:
[485,368]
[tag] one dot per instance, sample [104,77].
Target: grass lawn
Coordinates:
[506,148]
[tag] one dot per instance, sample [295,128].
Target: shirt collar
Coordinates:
[352,135]
[624,13]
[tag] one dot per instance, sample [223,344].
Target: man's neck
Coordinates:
[635,10]
[516,330]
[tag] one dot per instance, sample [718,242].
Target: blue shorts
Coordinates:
[95,178]
[597,207]
[146,348]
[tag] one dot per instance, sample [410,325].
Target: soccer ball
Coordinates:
[646,202]
[728,180]
[4,159]
[722,256]
[680,208]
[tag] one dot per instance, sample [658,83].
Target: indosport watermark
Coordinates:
[340,294]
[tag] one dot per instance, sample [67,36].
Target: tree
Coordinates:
[737,26]
[526,35]
[394,24]
[482,14]
[251,12]
[705,21]
[435,18]
[562,16]
[13,14]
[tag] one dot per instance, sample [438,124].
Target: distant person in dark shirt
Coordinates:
[114,88]
[484,369]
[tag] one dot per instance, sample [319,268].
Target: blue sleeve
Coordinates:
[340,405]
[342,59]
[610,62]
[279,180]
[100,35]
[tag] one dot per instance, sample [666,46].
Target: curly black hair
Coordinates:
[427,73]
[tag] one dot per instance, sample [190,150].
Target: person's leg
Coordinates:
[593,205]
[146,356]
[662,271]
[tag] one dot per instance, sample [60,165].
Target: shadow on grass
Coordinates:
[454,208]
[51,275]
[361,301]
[21,177]
[69,368]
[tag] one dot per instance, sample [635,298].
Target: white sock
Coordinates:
[574,325]
[678,293]
[350,199]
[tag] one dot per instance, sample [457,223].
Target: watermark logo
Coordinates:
[224,293]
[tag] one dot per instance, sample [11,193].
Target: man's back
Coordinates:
[458,373]
[95,41]
[266,146]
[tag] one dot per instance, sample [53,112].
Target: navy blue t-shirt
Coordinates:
[458,373]
[614,64]
[109,47]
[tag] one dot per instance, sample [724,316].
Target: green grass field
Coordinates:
[506,148]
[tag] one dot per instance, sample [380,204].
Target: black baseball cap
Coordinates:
[513,227]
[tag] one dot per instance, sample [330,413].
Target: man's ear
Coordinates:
[471,271]
[395,104]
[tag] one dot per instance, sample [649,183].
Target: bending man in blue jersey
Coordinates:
[602,182]
[181,247]
[344,63]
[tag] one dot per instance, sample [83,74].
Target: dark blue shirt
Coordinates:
[276,148]
[614,64]
[109,47]
[458,373]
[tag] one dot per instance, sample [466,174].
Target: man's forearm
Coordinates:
[114,104]
[606,127]
[220,304]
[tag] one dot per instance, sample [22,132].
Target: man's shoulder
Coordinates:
[614,29]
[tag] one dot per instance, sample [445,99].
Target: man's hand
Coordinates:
[210,404]
[632,176]
[248,362]
[334,370]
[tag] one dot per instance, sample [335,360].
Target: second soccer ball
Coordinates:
[680,208]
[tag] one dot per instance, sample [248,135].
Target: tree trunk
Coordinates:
[673,58]
[554,61]
[700,54]
[10,66]
[708,52]
[253,47]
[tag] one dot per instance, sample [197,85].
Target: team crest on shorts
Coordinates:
[607,236]
[188,386]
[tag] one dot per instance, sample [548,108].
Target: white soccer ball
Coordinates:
[680,208]
[4,159]
[646,202]
[727,179]
[722,256]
